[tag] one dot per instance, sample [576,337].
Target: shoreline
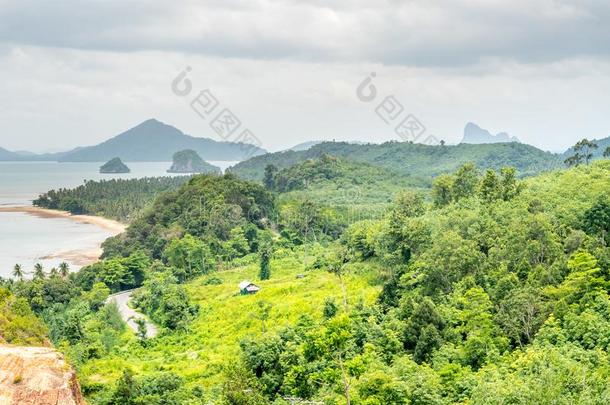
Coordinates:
[79,257]
[111,225]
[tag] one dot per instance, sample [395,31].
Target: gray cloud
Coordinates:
[418,33]
[77,73]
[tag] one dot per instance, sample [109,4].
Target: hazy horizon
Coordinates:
[538,70]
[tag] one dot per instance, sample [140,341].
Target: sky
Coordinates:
[77,73]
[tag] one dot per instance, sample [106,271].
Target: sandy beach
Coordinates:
[110,225]
[80,257]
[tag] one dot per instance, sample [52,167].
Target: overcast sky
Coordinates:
[76,73]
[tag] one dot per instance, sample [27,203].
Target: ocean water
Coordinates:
[26,239]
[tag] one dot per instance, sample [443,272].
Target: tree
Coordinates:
[336,266]
[509,186]
[583,151]
[64,269]
[490,186]
[586,147]
[241,387]
[142,330]
[330,308]
[265,271]
[126,389]
[466,181]
[189,254]
[607,152]
[269,179]
[38,272]
[441,190]
[54,272]
[597,218]
[18,272]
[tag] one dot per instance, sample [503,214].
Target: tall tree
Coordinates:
[441,190]
[466,181]
[38,271]
[18,272]
[269,179]
[265,268]
[583,151]
[490,186]
[607,152]
[64,269]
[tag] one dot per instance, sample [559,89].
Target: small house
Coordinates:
[246,287]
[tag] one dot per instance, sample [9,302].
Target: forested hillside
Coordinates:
[415,160]
[117,199]
[483,289]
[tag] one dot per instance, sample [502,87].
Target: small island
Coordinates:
[188,161]
[114,166]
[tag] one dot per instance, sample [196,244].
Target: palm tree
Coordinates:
[38,272]
[64,269]
[54,272]
[18,272]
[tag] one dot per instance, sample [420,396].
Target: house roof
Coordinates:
[244,284]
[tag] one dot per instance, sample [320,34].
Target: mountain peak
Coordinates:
[474,134]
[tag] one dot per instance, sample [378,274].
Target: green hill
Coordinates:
[189,161]
[415,160]
[500,291]
[114,165]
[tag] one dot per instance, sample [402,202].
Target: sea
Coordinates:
[26,239]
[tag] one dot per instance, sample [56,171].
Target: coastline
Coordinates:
[111,225]
[81,256]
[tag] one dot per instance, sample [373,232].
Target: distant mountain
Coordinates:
[8,155]
[416,160]
[474,134]
[25,153]
[151,141]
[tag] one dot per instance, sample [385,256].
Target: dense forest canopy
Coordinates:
[485,288]
[117,199]
[416,160]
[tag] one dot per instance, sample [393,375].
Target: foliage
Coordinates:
[18,324]
[418,160]
[118,199]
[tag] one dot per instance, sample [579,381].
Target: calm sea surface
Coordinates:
[26,239]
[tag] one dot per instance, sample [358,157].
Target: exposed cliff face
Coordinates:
[36,376]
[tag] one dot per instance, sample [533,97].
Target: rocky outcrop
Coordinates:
[476,135]
[36,376]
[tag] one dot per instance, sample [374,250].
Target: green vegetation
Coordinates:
[18,324]
[117,199]
[114,165]
[485,289]
[415,160]
[188,161]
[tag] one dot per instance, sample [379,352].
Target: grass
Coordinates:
[226,317]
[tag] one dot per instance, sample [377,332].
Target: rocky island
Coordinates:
[188,161]
[115,165]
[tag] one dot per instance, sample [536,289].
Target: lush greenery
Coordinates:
[114,165]
[486,288]
[416,160]
[117,199]
[18,324]
[189,161]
